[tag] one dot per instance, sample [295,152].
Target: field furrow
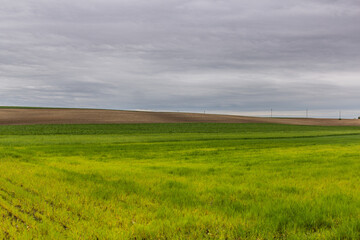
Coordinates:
[35,207]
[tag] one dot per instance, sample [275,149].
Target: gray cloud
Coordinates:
[233,55]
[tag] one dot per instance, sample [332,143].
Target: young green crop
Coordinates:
[179,181]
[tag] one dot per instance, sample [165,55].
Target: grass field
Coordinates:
[179,181]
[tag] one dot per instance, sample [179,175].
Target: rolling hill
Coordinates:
[22,116]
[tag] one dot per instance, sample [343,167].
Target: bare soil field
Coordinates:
[18,116]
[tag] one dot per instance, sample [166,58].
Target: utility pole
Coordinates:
[340,115]
[307,113]
[271,115]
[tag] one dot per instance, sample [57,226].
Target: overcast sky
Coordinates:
[219,55]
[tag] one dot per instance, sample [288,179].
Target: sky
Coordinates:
[182,55]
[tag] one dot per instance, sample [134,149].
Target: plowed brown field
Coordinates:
[95,116]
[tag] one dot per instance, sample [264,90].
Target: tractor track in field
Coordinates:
[15,216]
[8,196]
[37,215]
[15,220]
[26,116]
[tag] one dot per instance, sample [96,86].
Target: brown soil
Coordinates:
[83,116]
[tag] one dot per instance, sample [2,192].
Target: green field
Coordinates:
[179,181]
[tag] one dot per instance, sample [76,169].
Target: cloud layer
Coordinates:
[232,55]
